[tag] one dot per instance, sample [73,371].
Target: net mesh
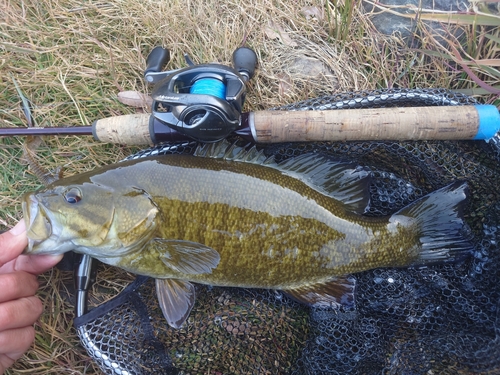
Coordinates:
[440,319]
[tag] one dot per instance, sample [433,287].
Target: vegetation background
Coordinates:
[72,59]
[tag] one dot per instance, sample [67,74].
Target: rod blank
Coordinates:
[74,130]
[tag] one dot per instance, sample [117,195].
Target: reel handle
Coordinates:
[245,61]
[156,60]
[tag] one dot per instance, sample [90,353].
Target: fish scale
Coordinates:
[210,224]
[295,226]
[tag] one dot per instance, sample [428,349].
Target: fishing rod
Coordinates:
[204,102]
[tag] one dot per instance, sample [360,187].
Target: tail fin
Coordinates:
[444,235]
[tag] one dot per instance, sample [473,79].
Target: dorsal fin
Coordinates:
[344,181]
[341,180]
[230,151]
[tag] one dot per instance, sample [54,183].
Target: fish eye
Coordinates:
[73,195]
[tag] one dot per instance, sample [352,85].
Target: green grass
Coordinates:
[72,58]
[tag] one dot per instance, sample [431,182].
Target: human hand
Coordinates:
[19,307]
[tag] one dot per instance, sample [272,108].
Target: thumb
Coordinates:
[13,242]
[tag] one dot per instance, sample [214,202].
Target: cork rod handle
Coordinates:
[371,124]
[125,130]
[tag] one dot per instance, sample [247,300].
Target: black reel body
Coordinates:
[203,102]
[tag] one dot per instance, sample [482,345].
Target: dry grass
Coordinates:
[71,58]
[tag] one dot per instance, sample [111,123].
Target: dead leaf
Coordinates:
[312,12]
[135,99]
[285,85]
[275,31]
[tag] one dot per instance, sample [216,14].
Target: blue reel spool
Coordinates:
[209,86]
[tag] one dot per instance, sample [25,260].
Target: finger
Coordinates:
[12,243]
[14,343]
[16,285]
[36,264]
[20,312]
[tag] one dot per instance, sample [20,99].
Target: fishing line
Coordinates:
[209,86]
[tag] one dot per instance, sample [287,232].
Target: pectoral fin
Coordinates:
[186,257]
[176,299]
[337,292]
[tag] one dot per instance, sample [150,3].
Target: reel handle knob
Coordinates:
[245,61]
[155,62]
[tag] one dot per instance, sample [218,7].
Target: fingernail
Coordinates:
[48,261]
[19,228]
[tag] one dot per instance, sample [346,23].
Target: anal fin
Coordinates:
[338,291]
[176,299]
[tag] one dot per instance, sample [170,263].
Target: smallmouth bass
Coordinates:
[231,217]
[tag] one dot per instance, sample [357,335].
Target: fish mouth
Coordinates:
[38,224]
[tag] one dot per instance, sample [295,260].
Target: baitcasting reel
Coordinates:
[203,101]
